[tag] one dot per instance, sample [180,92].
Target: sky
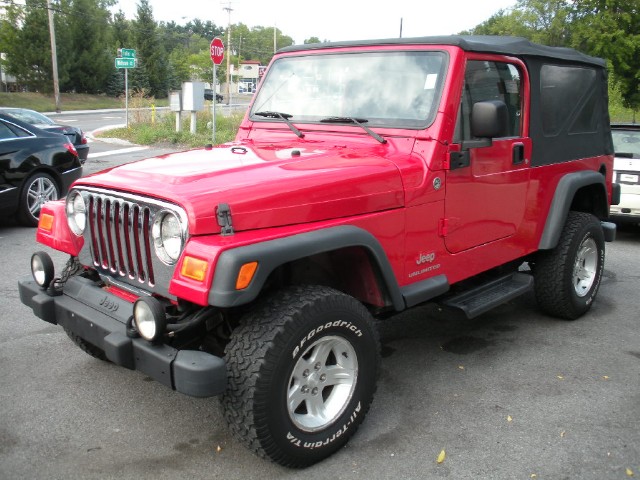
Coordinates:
[332,20]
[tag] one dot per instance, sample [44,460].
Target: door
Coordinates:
[486,200]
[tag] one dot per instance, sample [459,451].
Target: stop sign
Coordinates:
[217,50]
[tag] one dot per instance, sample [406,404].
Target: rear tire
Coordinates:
[302,374]
[567,278]
[37,190]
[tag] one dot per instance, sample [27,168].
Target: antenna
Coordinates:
[228,9]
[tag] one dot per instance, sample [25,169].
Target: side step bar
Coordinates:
[481,299]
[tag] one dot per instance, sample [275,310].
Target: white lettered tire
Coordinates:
[302,374]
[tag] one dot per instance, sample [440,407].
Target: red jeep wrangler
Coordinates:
[366,178]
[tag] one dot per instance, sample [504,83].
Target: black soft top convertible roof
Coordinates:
[513,46]
[569,117]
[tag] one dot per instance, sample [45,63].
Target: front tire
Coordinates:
[87,347]
[567,278]
[302,374]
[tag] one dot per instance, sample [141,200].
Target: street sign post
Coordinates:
[127,53]
[216,49]
[126,59]
[125,62]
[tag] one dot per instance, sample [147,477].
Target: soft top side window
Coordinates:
[485,80]
[568,98]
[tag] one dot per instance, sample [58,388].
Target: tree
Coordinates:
[541,21]
[92,58]
[121,31]
[27,45]
[605,28]
[611,29]
[152,58]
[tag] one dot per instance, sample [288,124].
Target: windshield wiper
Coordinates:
[358,121]
[283,116]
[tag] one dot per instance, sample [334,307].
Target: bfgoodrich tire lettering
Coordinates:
[302,374]
[567,278]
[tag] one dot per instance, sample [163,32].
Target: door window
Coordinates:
[486,80]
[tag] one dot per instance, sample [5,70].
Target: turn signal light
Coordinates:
[247,271]
[194,268]
[46,222]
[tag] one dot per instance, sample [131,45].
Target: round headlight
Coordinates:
[150,318]
[168,237]
[76,213]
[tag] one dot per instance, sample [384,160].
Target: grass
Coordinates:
[68,101]
[145,128]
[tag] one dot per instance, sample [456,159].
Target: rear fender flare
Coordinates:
[562,201]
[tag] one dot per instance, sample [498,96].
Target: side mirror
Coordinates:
[489,119]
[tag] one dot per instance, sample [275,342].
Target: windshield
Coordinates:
[389,89]
[626,143]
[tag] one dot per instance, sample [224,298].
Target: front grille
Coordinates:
[118,240]
[120,232]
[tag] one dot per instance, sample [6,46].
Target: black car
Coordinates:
[35,166]
[208,95]
[74,134]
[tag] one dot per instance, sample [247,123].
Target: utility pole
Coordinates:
[54,57]
[229,10]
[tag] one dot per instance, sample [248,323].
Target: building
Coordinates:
[246,76]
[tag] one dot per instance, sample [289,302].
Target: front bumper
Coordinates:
[100,317]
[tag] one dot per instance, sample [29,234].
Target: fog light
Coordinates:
[150,318]
[42,269]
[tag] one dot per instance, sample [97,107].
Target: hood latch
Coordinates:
[224,219]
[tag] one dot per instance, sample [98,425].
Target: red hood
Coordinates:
[265,185]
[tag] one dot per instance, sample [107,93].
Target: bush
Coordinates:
[147,127]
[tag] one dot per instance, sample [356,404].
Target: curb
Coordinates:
[114,141]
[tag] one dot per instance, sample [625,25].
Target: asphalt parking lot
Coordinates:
[510,395]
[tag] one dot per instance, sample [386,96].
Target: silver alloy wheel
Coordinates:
[322,383]
[41,190]
[584,268]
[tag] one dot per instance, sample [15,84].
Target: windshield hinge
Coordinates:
[457,160]
[224,219]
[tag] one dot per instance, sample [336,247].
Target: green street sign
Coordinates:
[127,53]
[125,62]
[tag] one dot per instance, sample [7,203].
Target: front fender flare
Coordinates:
[273,253]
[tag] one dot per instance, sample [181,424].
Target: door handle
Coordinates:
[518,153]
